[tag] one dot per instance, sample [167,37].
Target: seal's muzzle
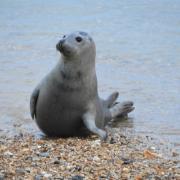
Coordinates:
[59,45]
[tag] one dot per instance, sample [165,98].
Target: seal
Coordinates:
[66,102]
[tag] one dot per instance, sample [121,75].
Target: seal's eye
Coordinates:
[78,39]
[64,36]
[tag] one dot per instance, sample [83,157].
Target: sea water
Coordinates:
[138,54]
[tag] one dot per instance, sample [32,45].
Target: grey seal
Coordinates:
[66,102]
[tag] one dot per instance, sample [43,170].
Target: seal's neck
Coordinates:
[78,73]
[74,67]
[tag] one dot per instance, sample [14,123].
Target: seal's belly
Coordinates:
[59,114]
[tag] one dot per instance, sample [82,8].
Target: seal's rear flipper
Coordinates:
[121,109]
[89,122]
[111,99]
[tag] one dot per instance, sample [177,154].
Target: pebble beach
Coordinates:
[123,156]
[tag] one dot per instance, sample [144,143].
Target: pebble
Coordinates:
[28,158]
[125,169]
[2,177]
[35,159]
[20,171]
[34,164]
[78,168]
[42,176]
[38,177]
[44,154]
[8,154]
[127,161]
[77,177]
[112,141]
[96,143]
[28,170]
[157,177]
[174,154]
[46,175]
[56,161]
[95,158]
[152,148]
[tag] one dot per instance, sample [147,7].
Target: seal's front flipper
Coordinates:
[33,102]
[121,109]
[89,122]
[111,99]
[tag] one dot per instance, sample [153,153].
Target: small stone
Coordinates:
[8,154]
[44,154]
[125,170]
[127,161]
[25,149]
[78,168]
[150,155]
[28,170]
[77,177]
[20,171]
[174,154]
[96,158]
[2,148]
[138,177]
[103,177]
[35,159]
[2,177]
[38,177]
[34,164]
[57,161]
[47,175]
[162,173]
[112,141]
[96,143]
[153,148]
[28,158]
[34,147]
[68,167]
[177,176]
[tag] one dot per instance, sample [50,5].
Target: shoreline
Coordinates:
[124,156]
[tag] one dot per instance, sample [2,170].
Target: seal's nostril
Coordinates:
[61,41]
[59,45]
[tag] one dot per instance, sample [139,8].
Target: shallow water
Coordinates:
[138,46]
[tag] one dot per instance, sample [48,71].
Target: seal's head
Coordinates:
[76,45]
